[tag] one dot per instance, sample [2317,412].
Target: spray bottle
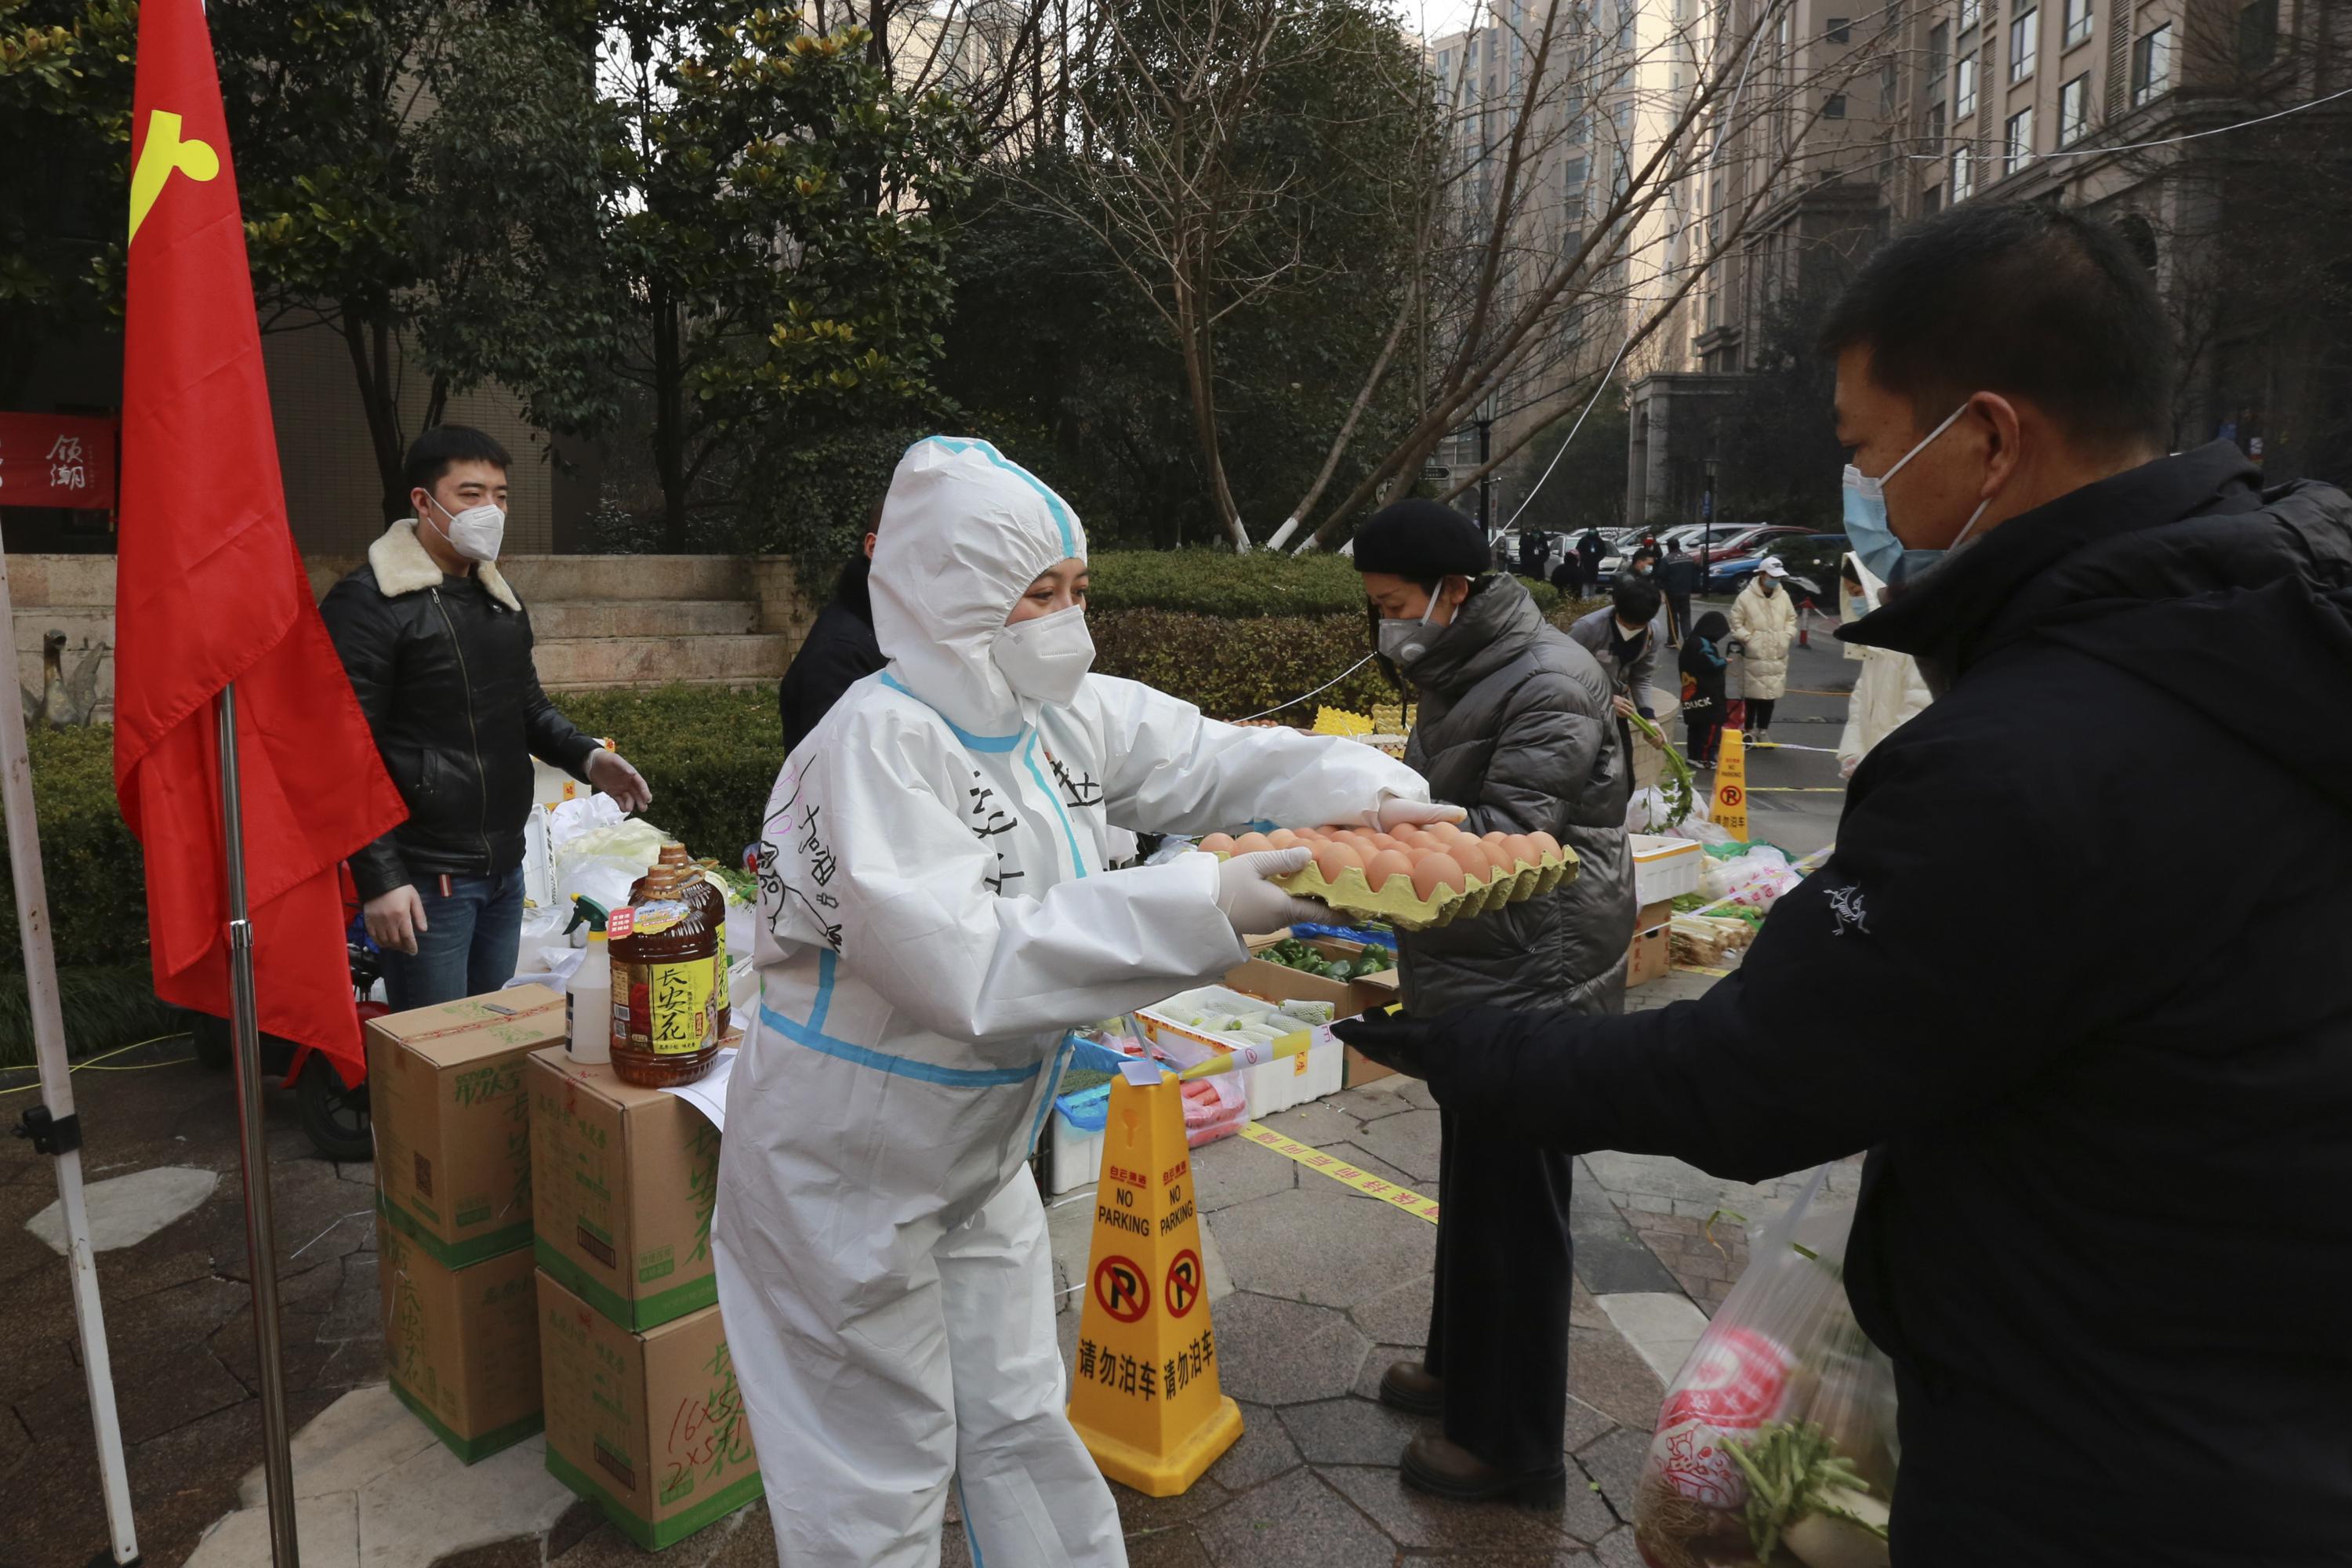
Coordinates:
[588,1001]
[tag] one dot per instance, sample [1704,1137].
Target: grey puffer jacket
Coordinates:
[1515,725]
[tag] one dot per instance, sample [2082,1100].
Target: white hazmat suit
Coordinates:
[934,916]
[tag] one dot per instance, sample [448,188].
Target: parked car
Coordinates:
[1809,559]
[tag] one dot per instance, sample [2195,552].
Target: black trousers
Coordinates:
[1498,1319]
[1700,719]
[1759,717]
[1680,604]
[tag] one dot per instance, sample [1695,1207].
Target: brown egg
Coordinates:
[1546,844]
[1250,842]
[1435,871]
[1281,838]
[1333,858]
[1444,832]
[1218,843]
[1382,841]
[1388,863]
[1312,835]
[1471,857]
[1523,849]
[1491,839]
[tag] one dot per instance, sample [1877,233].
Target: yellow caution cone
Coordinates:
[1144,1394]
[1729,808]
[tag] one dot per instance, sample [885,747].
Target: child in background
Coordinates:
[1704,664]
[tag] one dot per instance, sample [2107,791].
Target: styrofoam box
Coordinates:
[1077,1156]
[1665,867]
[1272,1086]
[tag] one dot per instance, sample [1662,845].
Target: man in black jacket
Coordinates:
[2099,1044]
[1678,580]
[438,650]
[839,651]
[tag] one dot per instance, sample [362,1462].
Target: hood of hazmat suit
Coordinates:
[935,916]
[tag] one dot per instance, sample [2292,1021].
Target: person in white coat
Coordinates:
[934,917]
[1763,625]
[1889,690]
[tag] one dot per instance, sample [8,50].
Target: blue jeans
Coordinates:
[467,946]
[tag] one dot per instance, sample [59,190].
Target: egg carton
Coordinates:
[1400,900]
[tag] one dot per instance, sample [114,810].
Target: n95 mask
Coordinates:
[1046,659]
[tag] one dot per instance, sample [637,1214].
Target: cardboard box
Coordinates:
[452,1122]
[650,1427]
[1649,958]
[622,1180]
[1279,983]
[461,1344]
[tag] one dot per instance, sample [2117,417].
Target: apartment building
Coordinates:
[2123,109]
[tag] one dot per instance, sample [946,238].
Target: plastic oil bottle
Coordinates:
[698,889]
[665,990]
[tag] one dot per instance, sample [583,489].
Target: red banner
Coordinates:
[57,459]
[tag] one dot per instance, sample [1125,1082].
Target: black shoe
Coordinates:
[1409,1387]
[1444,1469]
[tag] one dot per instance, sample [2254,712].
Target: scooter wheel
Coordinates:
[334,1116]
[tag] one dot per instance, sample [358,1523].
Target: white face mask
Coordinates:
[1046,659]
[476,533]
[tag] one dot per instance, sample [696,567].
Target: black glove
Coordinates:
[1396,1042]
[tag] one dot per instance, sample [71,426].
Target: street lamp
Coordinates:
[1707,523]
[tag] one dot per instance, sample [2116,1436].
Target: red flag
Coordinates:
[210,590]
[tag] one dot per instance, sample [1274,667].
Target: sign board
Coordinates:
[1432,471]
[57,459]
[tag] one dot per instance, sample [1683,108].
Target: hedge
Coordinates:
[1217,582]
[710,754]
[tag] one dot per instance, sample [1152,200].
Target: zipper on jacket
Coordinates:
[481,775]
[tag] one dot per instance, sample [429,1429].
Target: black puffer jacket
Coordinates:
[2084,942]
[442,669]
[1515,724]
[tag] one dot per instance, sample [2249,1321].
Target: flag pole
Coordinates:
[54,1128]
[260,1230]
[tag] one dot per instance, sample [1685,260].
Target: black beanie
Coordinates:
[1421,540]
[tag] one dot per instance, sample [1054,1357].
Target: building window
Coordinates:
[2023,33]
[1841,30]
[1835,108]
[1971,13]
[2078,21]
[1935,128]
[2017,147]
[1964,175]
[1888,87]
[1939,50]
[1572,201]
[2152,65]
[2257,34]
[1964,100]
[2074,109]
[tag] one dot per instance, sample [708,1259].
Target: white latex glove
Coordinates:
[610,772]
[1392,814]
[1846,767]
[1256,906]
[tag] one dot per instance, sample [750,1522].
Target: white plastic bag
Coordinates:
[1756,879]
[603,878]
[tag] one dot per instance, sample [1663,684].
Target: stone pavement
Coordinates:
[1315,1290]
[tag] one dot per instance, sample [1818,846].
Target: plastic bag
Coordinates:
[603,878]
[1756,879]
[1776,1444]
[1648,812]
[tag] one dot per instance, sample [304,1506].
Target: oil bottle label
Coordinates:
[658,916]
[679,1000]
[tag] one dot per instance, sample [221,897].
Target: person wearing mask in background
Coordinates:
[839,650]
[935,916]
[1534,546]
[1567,577]
[1889,690]
[1512,722]
[1678,580]
[1590,551]
[2073,1238]
[438,648]
[1624,640]
[1703,663]
[1763,629]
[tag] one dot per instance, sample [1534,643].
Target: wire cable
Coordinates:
[92,1063]
[1998,141]
[1537,487]
[1317,692]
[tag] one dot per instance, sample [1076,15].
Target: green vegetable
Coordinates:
[1794,1469]
[1678,774]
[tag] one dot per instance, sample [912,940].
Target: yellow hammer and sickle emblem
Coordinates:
[165,154]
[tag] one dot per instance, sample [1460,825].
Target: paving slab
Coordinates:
[1664,1326]
[433,1504]
[1609,1374]
[363,1435]
[1274,1352]
[1409,1142]
[1296,1520]
[1398,1315]
[1414,1519]
[1316,1122]
[1262,1452]
[1350,1431]
[1234,1171]
[326,1533]
[126,1210]
[1614,1462]
[1323,1244]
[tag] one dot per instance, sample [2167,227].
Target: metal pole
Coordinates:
[59,1133]
[260,1232]
[1485,480]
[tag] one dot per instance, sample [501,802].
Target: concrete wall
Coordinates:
[600,620]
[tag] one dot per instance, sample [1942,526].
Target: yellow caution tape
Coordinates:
[1339,1170]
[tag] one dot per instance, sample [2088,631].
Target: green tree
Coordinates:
[1780,457]
[1579,488]
[768,209]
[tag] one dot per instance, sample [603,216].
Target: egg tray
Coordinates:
[1403,908]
